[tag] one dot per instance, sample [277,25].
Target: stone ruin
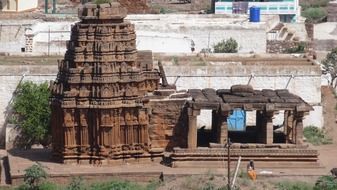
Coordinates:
[108,106]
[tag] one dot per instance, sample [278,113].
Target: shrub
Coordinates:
[31,106]
[287,185]
[326,183]
[175,60]
[48,186]
[208,186]
[125,185]
[76,183]
[34,176]
[102,1]
[314,14]
[316,136]
[226,46]
[300,48]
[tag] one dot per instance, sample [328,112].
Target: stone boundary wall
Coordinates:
[277,46]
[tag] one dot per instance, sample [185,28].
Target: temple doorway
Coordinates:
[204,124]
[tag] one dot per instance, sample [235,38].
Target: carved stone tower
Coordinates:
[97,104]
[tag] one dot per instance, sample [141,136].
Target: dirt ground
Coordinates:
[328,153]
[329,111]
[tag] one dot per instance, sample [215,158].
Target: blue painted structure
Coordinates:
[237,120]
[254,14]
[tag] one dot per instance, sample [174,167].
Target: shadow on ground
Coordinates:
[34,155]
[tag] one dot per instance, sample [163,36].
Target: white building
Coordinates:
[17,5]
[288,10]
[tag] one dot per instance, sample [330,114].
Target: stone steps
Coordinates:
[258,164]
[282,33]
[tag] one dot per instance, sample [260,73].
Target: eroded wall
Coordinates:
[167,127]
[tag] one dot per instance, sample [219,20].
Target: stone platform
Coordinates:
[19,160]
[272,157]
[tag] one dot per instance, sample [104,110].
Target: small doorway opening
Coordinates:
[237,127]
[204,124]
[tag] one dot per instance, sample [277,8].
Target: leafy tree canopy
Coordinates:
[31,107]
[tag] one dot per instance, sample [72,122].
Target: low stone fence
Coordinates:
[278,46]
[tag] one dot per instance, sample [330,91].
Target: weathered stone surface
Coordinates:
[98,111]
[168,120]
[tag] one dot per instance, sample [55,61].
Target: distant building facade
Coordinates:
[17,5]
[288,10]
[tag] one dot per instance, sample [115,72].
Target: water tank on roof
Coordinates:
[254,14]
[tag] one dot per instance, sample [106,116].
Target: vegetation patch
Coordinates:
[288,185]
[316,136]
[300,48]
[314,14]
[326,183]
[102,1]
[32,114]
[314,10]
[226,46]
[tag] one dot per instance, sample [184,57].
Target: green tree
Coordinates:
[226,46]
[329,65]
[31,106]
[314,14]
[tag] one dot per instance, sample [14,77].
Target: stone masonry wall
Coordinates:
[277,46]
[167,122]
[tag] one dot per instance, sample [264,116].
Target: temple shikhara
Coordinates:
[108,106]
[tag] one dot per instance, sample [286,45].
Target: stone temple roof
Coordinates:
[244,96]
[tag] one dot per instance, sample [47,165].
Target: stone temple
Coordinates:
[108,107]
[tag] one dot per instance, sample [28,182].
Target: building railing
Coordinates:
[286,8]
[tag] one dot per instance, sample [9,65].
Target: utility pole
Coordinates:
[228,164]
[46,6]
[49,41]
[54,7]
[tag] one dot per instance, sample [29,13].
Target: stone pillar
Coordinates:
[260,126]
[264,122]
[223,128]
[192,128]
[269,128]
[288,126]
[299,128]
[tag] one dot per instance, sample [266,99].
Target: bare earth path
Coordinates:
[328,153]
